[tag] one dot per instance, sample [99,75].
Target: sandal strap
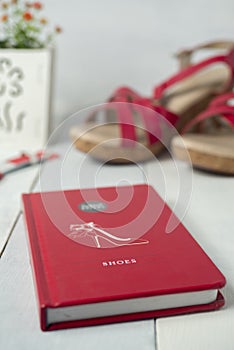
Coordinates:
[124,113]
[124,94]
[149,119]
[189,71]
[124,118]
[151,122]
[222,99]
[185,56]
[227,112]
[148,115]
[126,124]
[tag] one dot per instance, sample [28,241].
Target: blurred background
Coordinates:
[109,43]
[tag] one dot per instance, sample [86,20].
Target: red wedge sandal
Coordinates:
[210,147]
[132,123]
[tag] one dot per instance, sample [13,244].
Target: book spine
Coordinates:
[38,268]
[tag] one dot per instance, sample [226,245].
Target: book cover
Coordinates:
[102,255]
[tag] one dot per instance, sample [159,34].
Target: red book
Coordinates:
[104,255]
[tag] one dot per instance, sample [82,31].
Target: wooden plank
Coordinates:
[210,219]
[19,323]
[11,188]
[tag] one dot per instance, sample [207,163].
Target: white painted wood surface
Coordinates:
[210,218]
[19,322]
[10,189]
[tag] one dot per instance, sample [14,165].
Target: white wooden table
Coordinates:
[210,218]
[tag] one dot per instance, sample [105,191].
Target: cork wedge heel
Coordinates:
[213,148]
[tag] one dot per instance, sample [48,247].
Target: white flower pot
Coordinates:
[25,95]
